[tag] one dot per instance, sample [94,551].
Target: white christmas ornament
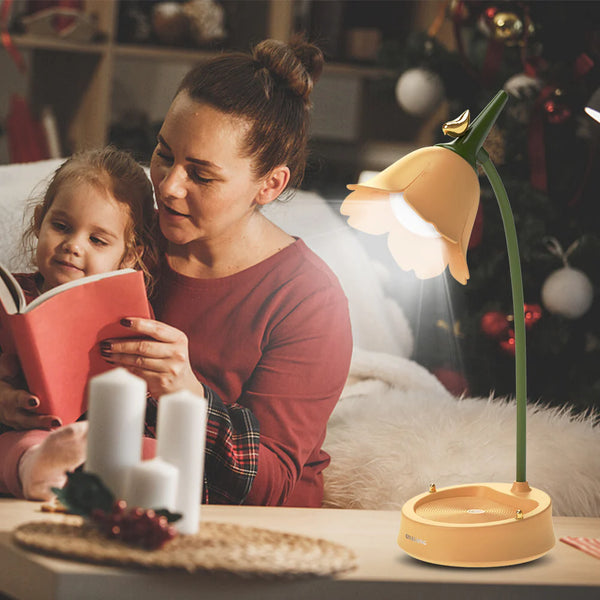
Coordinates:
[567,292]
[419,91]
[523,86]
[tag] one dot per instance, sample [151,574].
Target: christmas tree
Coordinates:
[546,55]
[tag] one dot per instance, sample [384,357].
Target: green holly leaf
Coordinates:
[171,516]
[86,492]
[83,493]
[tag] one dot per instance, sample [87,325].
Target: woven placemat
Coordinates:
[224,547]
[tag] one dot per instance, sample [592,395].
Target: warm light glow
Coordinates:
[410,219]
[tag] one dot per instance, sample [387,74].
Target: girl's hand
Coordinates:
[161,357]
[17,405]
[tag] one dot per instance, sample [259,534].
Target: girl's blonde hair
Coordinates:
[117,172]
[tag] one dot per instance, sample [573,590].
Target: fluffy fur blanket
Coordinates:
[396,430]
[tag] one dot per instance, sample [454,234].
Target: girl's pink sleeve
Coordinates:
[12,446]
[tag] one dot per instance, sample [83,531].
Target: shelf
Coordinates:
[35,42]
[354,69]
[164,53]
[169,53]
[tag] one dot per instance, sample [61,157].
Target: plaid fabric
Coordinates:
[231,457]
[150,420]
[232,440]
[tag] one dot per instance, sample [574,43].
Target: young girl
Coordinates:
[97,215]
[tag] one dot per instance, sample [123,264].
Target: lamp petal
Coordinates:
[368,210]
[427,257]
[458,253]
[446,194]
[399,175]
[457,263]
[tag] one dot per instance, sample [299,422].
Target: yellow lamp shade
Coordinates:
[442,188]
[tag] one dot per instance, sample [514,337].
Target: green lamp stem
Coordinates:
[516,280]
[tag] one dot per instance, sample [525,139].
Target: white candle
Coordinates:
[180,438]
[151,484]
[116,410]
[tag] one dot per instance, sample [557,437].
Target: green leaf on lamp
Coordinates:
[470,143]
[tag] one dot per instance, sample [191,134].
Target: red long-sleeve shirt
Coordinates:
[274,338]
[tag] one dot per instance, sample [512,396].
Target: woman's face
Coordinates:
[205,189]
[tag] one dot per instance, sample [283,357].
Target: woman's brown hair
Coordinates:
[271,89]
[117,172]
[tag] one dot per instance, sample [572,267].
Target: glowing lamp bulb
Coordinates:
[410,219]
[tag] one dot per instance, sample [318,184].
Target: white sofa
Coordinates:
[396,428]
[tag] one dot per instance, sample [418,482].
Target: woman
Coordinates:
[246,314]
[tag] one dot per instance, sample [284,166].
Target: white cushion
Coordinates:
[20,186]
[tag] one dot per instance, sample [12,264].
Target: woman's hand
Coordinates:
[161,357]
[17,405]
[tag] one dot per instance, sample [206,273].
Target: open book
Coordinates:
[57,335]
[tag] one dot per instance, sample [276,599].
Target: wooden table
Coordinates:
[384,571]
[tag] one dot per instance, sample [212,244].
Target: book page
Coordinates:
[11,294]
[71,284]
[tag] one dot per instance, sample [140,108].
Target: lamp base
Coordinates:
[478,525]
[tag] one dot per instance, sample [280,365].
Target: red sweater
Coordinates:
[276,339]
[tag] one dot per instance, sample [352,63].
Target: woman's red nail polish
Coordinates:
[126,322]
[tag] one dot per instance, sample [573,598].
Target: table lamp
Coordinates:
[427,202]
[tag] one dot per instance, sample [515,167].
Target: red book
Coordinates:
[57,335]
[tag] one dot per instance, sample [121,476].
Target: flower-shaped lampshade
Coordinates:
[427,201]
[443,191]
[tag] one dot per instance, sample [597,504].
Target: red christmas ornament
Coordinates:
[556,112]
[453,381]
[533,313]
[508,345]
[490,12]
[459,11]
[494,324]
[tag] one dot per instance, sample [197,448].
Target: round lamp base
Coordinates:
[478,525]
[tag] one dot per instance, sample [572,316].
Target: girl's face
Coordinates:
[83,233]
[205,189]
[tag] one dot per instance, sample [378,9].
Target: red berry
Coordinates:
[135,526]
[115,531]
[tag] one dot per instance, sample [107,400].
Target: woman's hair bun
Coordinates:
[298,63]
